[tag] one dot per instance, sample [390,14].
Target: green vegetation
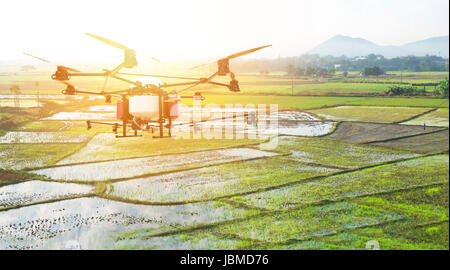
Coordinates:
[435,118]
[443,88]
[369,114]
[405,91]
[380,179]
[301,223]
[21,156]
[217,181]
[401,102]
[372,71]
[359,132]
[427,143]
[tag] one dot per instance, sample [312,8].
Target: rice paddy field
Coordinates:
[341,169]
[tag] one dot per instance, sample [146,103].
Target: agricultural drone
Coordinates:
[144,106]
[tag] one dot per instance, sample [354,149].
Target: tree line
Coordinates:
[309,64]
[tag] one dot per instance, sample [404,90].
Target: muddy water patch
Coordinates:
[41,137]
[94,223]
[128,168]
[365,132]
[36,191]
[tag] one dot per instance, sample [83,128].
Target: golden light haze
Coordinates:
[182,30]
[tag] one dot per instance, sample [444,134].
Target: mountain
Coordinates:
[343,45]
[431,46]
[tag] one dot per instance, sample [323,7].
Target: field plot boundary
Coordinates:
[351,198]
[230,196]
[143,156]
[321,236]
[87,195]
[264,212]
[113,180]
[407,136]
[416,116]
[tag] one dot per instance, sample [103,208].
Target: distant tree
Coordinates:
[372,71]
[443,88]
[290,69]
[309,71]
[345,74]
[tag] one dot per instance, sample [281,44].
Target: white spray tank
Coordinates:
[145,107]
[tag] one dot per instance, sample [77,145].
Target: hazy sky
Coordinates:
[172,30]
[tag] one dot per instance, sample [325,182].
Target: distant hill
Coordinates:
[431,46]
[343,45]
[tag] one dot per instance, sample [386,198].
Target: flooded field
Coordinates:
[41,137]
[94,223]
[322,181]
[37,191]
[140,166]
[213,182]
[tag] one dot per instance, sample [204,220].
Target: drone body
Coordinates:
[147,104]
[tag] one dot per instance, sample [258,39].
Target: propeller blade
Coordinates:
[42,59]
[118,45]
[45,60]
[108,41]
[236,55]
[246,52]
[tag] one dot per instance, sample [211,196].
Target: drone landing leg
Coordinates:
[124,131]
[161,132]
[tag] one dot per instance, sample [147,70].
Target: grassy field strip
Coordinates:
[426,143]
[406,136]
[352,183]
[198,229]
[328,152]
[329,200]
[298,223]
[400,102]
[209,183]
[56,165]
[360,132]
[357,240]
[369,113]
[287,183]
[132,168]
[271,211]
[439,117]
[416,116]
[254,243]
